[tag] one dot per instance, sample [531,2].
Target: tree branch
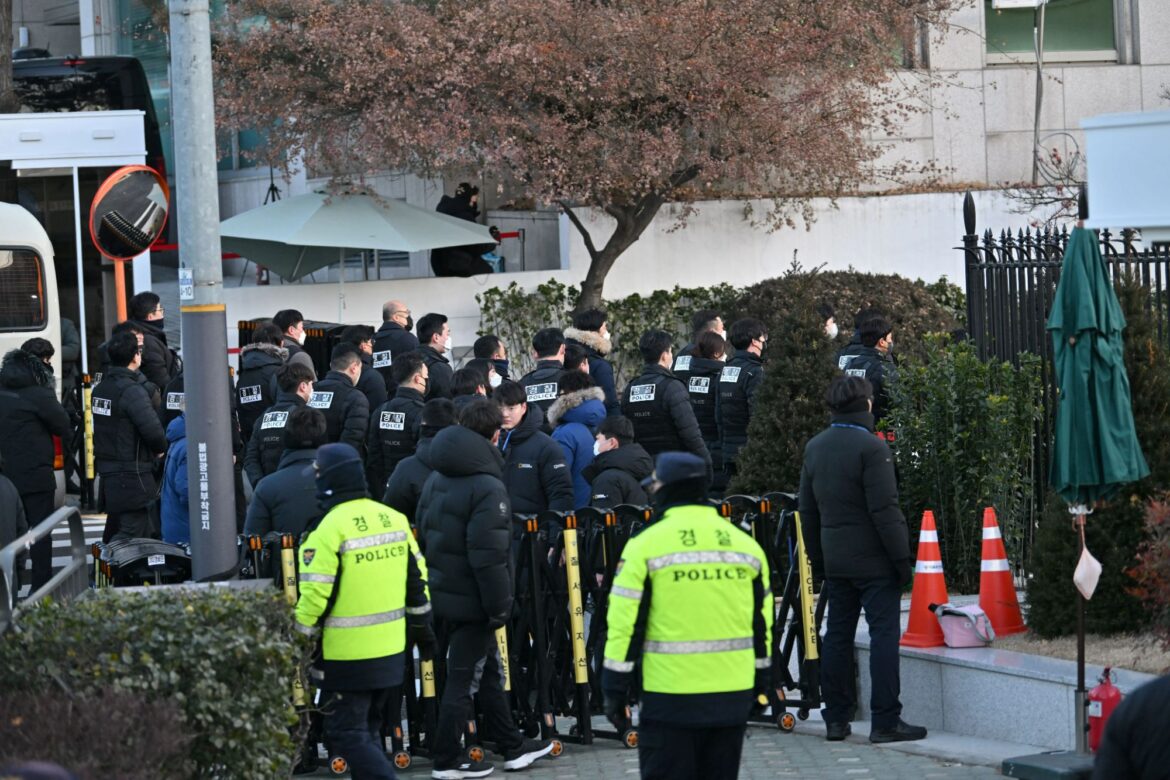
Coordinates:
[589,247]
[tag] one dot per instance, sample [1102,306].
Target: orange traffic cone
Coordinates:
[930,587]
[997,592]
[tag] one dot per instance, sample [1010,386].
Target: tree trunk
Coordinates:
[7,96]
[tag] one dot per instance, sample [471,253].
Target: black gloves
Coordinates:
[422,635]
[905,572]
[614,707]
[498,621]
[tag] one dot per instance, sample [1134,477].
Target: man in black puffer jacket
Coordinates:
[30,416]
[345,407]
[615,475]
[256,386]
[284,501]
[406,483]
[535,472]
[266,444]
[371,383]
[858,539]
[393,339]
[159,362]
[658,405]
[739,384]
[394,424]
[128,441]
[464,525]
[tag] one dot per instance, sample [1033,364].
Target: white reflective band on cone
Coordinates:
[928,536]
[928,567]
[1000,565]
[992,533]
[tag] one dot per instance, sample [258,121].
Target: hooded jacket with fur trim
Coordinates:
[596,348]
[30,416]
[576,416]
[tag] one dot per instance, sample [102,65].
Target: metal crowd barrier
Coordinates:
[67,583]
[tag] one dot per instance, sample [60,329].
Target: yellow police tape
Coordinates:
[505,667]
[808,602]
[576,606]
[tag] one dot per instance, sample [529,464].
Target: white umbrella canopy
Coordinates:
[296,236]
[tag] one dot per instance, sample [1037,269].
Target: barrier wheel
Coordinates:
[402,760]
[338,765]
[558,748]
[786,722]
[802,714]
[475,753]
[630,738]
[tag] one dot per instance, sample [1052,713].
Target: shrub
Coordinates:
[115,734]
[515,315]
[1115,530]
[1151,573]
[224,657]
[800,361]
[965,440]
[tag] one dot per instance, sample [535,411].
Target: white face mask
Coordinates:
[301,338]
[596,447]
[606,336]
[722,334]
[447,344]
[831,330]
[496,380]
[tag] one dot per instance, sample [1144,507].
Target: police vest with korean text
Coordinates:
[353,574]
[268,431]
[644,402]
[541,385]
[696,587]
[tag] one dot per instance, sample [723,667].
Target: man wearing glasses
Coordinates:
[392,339]
[159,363]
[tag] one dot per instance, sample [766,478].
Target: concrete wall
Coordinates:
[52,25]
[910,235]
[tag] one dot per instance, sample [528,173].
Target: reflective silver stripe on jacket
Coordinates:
[764,663]
[307,577]
[372,541]
[700,646]
[307,630]
[365,620]
[424,609]
[628,593]
[707,556]
[618,666]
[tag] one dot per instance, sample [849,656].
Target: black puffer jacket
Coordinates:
[405,486]
[541,387]
[660,409]
[535,472]
[739,383]
[128,435]
[464,524]
[440,376]
[615,477]
[849,502]
[256,388]
[266,445]
[286,500]
[371,384]
[30,416]
[13,522]
[390,341]
[159,363]
[346,410]
[702,382]
[393,435]
[875,366]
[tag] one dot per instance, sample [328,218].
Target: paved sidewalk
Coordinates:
[768,753]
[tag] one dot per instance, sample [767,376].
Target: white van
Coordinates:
[28,294]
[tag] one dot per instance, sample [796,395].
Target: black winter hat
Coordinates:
[339,471]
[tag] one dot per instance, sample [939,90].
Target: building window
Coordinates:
[1074,31]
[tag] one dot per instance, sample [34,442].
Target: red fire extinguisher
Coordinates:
[1103,700]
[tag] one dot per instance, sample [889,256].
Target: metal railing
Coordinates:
[67,583]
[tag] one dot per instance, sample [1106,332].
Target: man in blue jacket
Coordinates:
[575,416]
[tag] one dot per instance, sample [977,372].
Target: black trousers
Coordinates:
[473,667]
[668,752]
[882,601]
[352,730]
[38,506]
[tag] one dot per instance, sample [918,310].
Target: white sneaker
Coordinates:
[463,768]
[526,754]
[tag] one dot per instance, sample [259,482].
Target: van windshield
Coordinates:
[22,290]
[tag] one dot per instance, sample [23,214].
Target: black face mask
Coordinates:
[501,367]
[409,322]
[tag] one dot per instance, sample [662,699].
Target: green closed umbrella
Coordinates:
[1096,449]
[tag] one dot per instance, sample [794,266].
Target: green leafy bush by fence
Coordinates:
[965,440]
[224,657]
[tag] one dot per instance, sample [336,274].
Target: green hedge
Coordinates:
[225,657]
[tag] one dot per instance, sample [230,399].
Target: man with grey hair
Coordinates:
[393,338]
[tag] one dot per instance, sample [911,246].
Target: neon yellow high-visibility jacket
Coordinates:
[361,575]
[696,587]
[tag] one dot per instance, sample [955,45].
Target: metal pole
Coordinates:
[80,273]
[1079,702]
[203,322]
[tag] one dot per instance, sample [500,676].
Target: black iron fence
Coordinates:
[1011,282]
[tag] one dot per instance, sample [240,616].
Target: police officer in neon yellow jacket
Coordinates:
[362,590]
[691,599]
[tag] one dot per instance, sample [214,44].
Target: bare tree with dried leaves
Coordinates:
[620,105]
